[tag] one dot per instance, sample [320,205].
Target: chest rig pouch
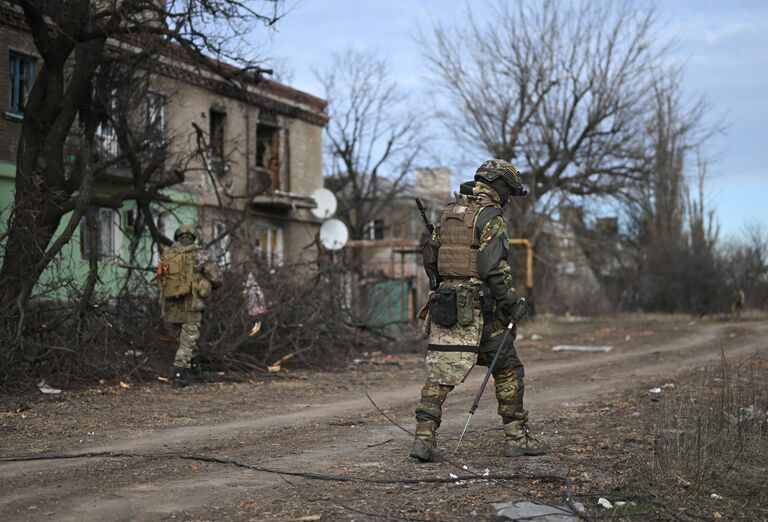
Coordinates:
[442,307]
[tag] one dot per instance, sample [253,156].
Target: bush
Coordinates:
[125,337]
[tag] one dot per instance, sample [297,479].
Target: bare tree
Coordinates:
[673,235]
[673,133]
[374,137]
[558,88]
[75,38]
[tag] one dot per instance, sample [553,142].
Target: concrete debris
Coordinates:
[603,502]
[526,510]
[581,348]
[46,388]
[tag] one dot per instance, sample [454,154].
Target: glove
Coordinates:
[517,310]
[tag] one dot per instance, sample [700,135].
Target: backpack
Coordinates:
[175,274]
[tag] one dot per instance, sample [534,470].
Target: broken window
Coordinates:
[106,134]
[216,133]
[155,118]
[268,241]
[166,224]
[220,246]
[374,229]
[268,153]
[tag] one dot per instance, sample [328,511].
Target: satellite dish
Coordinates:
[325,201]
[334,234]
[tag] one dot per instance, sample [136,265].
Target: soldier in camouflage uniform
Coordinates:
[468,254]
[737,304]
[185,312]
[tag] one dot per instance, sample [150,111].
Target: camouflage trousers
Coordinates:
[508,377]
[188,334]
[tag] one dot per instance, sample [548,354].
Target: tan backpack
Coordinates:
[176,274]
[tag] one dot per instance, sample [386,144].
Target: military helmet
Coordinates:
[502,176]
[185,230]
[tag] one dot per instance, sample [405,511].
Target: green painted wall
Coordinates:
[71,264]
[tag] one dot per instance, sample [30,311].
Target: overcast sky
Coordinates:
[724,44]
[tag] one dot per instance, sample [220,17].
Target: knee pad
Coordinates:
[431,404]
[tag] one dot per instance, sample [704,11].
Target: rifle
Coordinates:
[433,280]
[134,267]
[516,317]
[423,211]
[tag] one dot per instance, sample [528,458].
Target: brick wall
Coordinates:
[10,127]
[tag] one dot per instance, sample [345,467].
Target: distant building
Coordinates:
[264,137]
[394,284]
[574,261]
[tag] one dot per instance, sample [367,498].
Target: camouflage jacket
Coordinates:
[492,260]
[189,308]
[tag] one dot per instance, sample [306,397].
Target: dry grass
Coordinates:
[710,457]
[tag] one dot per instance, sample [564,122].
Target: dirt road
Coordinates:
[323,422]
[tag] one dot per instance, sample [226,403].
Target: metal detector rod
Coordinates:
[491,366]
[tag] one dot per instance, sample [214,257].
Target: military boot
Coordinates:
[195,368]
[520,441]
[423,447]
[179,377]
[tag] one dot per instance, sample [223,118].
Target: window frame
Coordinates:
[216,133]
[156,102]
[221,250]
[15,58]
[269,243]
[375,230]
[268,140]
[107,219]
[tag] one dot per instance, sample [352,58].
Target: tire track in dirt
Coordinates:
[549,386]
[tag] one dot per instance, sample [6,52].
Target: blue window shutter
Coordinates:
[14,61]
[22,76]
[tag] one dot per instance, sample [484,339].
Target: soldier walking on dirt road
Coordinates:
[737,304]
[186,276]
[472,302]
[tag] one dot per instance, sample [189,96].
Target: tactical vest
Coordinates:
[459,244]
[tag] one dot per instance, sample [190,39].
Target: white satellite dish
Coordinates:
[334,234]
[326,203]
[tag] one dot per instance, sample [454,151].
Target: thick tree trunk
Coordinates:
[36,216]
